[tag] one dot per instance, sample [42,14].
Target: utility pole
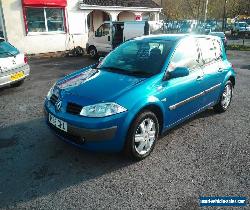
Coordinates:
[205,18]
[224,16]
[198,11]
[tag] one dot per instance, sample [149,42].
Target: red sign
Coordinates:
[45,3]
[138,17]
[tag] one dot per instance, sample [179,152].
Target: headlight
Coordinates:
[50,92]
[102,110]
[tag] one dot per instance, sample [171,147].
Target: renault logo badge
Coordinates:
[58,105]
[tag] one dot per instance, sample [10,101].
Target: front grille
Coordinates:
[74,108]
[69,137]
[53,99]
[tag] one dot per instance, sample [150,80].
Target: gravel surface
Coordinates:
[208,155]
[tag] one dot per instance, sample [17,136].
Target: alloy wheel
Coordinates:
[145,136]
[226,96]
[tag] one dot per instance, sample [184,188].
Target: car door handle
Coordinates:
[220,70]
[200,77]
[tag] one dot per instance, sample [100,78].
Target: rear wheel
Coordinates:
[225,99]
[142,136]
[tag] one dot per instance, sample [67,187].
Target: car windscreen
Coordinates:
[242,24]
[7,50]
[143,57]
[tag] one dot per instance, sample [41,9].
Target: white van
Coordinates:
[111,34]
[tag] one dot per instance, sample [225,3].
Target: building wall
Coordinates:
[76,21]
[51,42]
[98,19]
[126,16]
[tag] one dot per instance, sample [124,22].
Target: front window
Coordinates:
[7,50]
[103,30]
[138,57]
[185,55]
[45,20]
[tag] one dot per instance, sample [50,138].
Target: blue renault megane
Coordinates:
[142,88]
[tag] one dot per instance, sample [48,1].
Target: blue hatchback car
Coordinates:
[142,88]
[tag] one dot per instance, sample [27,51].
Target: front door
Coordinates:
[102,39]
[184,95]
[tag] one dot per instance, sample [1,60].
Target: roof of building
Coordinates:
[123,3]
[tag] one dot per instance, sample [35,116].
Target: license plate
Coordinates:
[58,123]
[17,76]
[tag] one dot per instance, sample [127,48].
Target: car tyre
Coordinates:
[142,136]
[93,52]
[225,98]
[17,84]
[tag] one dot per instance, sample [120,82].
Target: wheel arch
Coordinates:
[232,79]
[157,110]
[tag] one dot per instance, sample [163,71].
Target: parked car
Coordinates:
[207,29]
[241,28]
[112,33]
[221,35]
[144,87]
[14,66]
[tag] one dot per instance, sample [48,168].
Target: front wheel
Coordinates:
[93,52]
[225,99]
[142,136]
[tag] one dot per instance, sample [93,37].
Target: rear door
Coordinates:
[213,67]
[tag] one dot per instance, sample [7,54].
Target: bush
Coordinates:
[238,47]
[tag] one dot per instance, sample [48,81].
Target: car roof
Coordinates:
[217,33]
[172,37]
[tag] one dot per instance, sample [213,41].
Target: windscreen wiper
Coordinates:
[140,73]
[112,68]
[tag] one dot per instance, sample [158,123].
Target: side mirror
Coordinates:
[178,72]
[101,59]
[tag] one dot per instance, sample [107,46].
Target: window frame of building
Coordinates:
[47,31]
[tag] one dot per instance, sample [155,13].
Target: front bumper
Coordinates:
[95,134]
[84,134]
[5,77]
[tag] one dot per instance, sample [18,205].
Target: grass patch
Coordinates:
[238,47]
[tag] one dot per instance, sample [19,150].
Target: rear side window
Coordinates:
[185,55]
[7,50]
[217,46]
[208,50]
